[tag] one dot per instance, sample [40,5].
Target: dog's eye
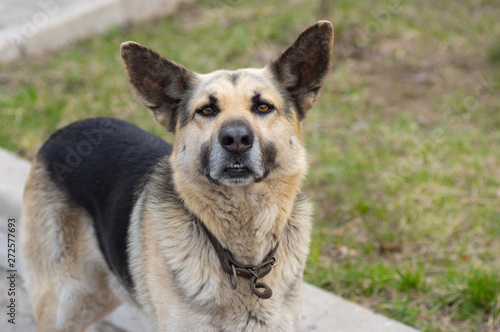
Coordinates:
[263,108]
[207,110]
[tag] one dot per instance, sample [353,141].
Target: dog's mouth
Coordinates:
[237,167]
[237,170]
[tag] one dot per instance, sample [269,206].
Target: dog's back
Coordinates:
[99,163]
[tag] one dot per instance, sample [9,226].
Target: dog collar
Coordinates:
[252,272]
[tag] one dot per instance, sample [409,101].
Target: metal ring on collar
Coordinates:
[254,284]
[235,284]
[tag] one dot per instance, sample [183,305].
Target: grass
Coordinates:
[403,143]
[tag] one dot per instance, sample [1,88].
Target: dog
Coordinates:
[208,234]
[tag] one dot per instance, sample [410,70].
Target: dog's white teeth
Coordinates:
[236,165]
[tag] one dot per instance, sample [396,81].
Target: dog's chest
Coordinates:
[192,281]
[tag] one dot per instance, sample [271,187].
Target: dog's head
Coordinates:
[235,128]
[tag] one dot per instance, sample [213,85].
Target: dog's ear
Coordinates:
[302,68]
[161,84]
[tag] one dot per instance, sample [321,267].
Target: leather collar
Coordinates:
[252,272]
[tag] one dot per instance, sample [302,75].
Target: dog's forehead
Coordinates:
[242,84]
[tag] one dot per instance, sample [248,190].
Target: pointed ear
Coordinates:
[161,84]
[302,68]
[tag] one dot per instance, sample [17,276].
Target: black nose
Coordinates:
[236,138]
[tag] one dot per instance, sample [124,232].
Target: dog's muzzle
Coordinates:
[236,140]
[235,157]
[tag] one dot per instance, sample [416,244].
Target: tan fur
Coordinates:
[60,259]
[178,281]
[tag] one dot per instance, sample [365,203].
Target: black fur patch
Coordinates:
[213,100]
[233,77]
[101,163]
[205,158]
[205,163]
[269,153]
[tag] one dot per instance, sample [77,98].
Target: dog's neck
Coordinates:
[247,220]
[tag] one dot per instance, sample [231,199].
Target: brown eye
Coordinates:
[263,108]
[207,110]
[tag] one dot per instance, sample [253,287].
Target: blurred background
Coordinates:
[404,142]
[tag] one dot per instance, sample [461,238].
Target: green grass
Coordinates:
[403,143]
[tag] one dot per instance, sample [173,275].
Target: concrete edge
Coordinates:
[13,174]
[62,25]
[321,310]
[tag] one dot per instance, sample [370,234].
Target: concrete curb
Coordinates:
[59,22]
[321,310]
[13,174]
